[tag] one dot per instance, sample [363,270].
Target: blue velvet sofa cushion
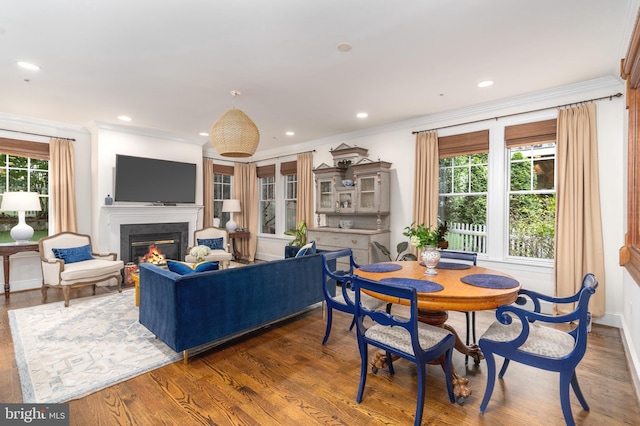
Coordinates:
[73,254]
[186,311]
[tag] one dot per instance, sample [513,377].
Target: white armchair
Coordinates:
[216,255]
[68,263]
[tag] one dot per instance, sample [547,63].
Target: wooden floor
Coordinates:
[282,375]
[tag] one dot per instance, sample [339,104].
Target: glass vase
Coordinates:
[431,257]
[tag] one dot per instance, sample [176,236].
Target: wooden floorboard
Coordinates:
[282,375]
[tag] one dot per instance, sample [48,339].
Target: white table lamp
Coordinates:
[20,202]
[231,206]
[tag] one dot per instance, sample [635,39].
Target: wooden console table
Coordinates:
[238,235]
[6,250]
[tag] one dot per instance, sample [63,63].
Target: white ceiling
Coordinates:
[171,64]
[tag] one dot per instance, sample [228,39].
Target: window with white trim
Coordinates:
[222,190]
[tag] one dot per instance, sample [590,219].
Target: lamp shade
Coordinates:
[234,134]
[20,202]
[231,206]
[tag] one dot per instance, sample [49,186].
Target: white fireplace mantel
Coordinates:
[115,215]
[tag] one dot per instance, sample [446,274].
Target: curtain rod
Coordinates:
[610,97]
[38,134]
[262,159]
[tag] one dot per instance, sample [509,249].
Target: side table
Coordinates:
[6,250]
[135,276]
[238,235]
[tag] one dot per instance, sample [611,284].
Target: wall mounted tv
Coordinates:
[147,180]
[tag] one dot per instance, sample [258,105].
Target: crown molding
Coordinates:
[140,131]
[19,122]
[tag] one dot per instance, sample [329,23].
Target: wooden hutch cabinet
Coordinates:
[365,204]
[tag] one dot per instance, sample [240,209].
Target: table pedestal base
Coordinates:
[438,318]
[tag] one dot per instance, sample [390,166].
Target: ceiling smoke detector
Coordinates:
[344,47]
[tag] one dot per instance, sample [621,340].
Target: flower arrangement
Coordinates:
[421,236]
[199,252]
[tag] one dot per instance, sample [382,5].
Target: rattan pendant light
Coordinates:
[234,134]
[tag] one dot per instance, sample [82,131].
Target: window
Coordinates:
[463,181]
[221,191]
[25,174]
[290,202]
[532,201]
[531,150]
[289,170]
[463,200]
[268,205]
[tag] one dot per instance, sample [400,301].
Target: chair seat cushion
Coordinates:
[371,303]
[88,270]
[213,256]
[542,340]
[400,339]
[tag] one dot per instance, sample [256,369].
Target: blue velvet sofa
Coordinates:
[188,311]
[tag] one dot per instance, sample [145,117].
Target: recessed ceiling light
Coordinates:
[485,83]
[28,66]
[203,134]
[290,133]
[362,115]
[124,118]
[344,47]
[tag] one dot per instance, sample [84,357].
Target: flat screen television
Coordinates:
[148,180]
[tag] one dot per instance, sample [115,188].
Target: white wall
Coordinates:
[109,140]
[396,144]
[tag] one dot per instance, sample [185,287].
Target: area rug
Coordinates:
[67,353]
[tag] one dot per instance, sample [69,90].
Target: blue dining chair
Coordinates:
[470,258]
[407,338]
[518,336]
[332,277]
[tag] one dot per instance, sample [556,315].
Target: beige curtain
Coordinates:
[304,172]
[207,190]
[62,183]
[425,192]
[579,247]
[245,189]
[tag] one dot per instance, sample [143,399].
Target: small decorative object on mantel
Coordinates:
[426,240]
[108,200]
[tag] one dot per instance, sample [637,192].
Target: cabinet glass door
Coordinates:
[346,202]
[325,194]
[367,190]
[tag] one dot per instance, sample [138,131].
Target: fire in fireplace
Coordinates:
[153,256]
[169,239]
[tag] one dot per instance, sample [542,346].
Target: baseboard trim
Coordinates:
[632,358]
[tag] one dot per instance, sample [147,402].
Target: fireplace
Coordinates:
[170,239]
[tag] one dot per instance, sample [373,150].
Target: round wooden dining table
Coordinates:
[455,295]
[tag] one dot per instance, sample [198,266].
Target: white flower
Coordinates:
[199,252]
[415,241]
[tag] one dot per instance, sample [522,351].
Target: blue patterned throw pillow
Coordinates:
[73,254]
[183,268]
[212,243]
